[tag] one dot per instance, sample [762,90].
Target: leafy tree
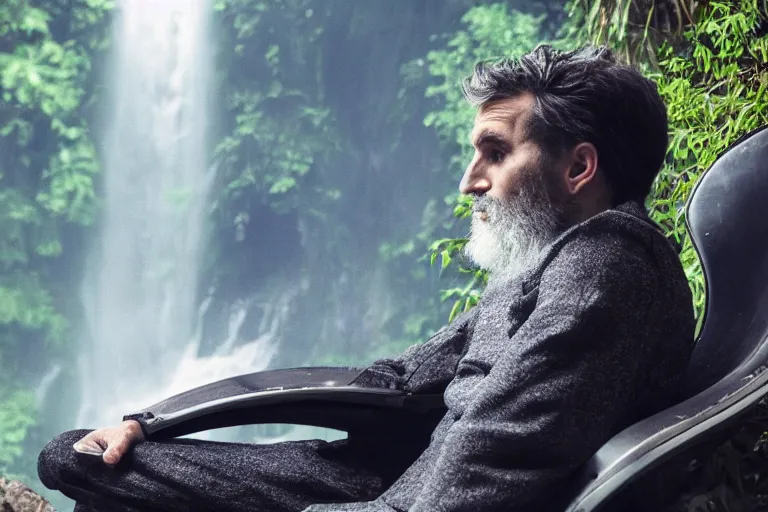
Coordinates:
[47,167]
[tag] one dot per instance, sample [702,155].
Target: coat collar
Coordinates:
[632,211]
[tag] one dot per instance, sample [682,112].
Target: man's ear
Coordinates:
[583,167]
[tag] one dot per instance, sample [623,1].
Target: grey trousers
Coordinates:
[194,475]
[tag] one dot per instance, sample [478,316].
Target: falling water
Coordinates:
[140,291]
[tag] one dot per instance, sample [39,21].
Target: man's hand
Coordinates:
[111,443]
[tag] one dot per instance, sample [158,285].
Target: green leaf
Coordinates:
[445,258]
[283,185]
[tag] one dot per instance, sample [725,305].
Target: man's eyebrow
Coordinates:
[488,136]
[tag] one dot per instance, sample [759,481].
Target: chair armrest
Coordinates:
[676,431]
[315,396]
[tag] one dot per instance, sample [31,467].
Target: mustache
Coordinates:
[481,204]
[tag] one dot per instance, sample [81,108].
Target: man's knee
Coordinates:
[58,458]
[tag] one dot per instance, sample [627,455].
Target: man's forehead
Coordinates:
[503,116]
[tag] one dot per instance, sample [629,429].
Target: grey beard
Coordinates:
[516,232]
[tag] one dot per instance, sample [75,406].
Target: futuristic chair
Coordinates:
[727,217]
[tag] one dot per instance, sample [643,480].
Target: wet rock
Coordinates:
[17,497]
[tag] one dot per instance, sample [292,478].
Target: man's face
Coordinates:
[519,195]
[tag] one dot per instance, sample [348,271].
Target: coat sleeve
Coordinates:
[425,367]
[365,506]
[538,415]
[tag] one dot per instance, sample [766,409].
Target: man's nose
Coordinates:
[474,181]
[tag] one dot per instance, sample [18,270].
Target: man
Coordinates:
[585,327]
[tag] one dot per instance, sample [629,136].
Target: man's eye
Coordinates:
[495,156]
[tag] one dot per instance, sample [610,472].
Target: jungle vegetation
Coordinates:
[302,142]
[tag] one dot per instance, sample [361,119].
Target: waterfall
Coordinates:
[142,280]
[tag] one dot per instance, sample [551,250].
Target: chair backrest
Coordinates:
[727,217]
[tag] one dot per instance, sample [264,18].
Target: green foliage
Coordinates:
[24,302]
[17,414]
[715,91]
[41,81]
[632,28]
[281,126]
[467,295]
[491,32]
[48,163]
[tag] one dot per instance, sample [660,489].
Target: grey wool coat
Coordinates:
[545,369]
